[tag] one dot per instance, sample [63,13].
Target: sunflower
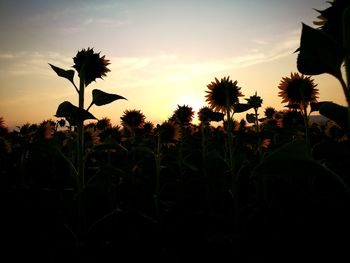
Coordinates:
[3,128]
[183,114]
[169,132]
[298,89]
[269,112]
[103,124]
[223,94]
[331,19]
[91,136]
[94,66]
[148,127]
[206,115]
[133,119]
[255,101]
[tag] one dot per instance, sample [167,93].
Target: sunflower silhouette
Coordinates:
[93,65]
[169,132]
[133,119]
[298,90]
[223,94]
[206,115]
[183,114]
[269,112]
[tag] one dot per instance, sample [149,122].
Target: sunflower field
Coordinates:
[274,186]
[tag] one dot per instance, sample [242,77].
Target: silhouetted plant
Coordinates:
[89,66]
[269,112]
[299,91]
[255,102]
[183,114]
[325,49]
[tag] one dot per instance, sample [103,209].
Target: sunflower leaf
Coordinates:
[72,113]
[242,107]
[250,117]
[100,97]
[335,112]
[67,74]
[319,53]
[315,106]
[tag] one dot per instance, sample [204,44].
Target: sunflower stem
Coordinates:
[234,181]
[256,120]
[157,184]
[346,44]
[347,95]
[80,158]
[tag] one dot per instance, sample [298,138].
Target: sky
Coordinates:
[162,53]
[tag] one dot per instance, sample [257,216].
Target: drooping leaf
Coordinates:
[242,107]
[250,117]
[335,112]
[67,74]
[100,97]
[319,53]
[315,106]
[72,113]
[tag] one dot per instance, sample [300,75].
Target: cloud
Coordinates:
[153,70]
[6,56]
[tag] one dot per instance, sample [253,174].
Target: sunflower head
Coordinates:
[223,94]
[104,124]
[183,114]
[269,112]
[169,133]
[91,136]
[111,132]
[3,128]
[331,19]
[206,115]
[133,119]
[148,127]
[92,64]
[298,89]
[255,101]
[46,129]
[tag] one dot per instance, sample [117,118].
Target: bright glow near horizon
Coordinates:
[162,53]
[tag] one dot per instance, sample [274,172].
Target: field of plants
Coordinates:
[274,186]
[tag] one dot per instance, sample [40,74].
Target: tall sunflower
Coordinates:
[223,94]
[298,90]
[94,66]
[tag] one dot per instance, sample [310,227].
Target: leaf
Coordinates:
[72,113]
[335,112]
[100,97]
[319,53]
[67,74]
[315,106]
[250,117]
[241,107]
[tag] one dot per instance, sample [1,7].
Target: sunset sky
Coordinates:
[162,53]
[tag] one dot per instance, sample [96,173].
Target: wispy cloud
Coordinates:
[150,70]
